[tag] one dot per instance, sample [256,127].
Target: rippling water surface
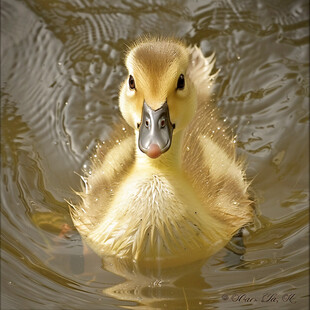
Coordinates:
[61,66]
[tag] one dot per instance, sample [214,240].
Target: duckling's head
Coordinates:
[157,98]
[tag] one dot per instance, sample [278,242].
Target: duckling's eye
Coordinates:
[131,82]
[181,82]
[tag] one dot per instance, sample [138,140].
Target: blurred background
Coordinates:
[61,67]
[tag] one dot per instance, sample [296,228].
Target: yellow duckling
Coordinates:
[170,189]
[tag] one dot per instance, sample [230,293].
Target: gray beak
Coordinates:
[155,130]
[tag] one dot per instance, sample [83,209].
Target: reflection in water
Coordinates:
[179,287]
[61,65]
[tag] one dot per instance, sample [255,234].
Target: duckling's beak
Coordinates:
[155,130]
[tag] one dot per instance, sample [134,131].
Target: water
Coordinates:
[61,66]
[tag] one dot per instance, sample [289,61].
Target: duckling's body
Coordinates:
[172,193]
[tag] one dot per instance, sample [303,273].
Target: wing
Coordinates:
[209,154]
[110,164]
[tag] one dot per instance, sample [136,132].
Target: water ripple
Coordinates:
[60,75]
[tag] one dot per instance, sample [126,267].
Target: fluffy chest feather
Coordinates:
[155,217]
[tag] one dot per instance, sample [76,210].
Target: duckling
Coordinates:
[167,189]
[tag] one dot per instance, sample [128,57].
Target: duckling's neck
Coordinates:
[170,160]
